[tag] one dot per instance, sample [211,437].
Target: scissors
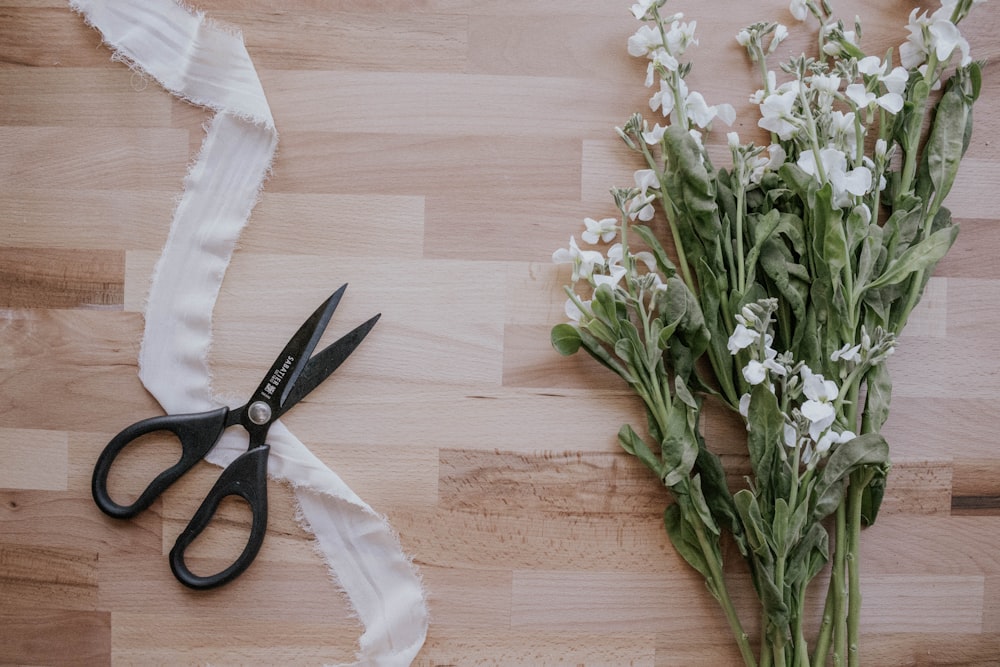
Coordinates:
[289,379]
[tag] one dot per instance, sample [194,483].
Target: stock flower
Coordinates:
[845,183]
[641,8]
[860,95]
[655,136]
[742,338]
[646,179]
[799,9]
[831,438]
[583,261]
[600,230]
[844,130]
[847,353]
[776,114]
[645,40]
[663,99]
[754,372]
[791,435]
[818,409]
[614,276]
[932,34]
[702,114]
[641,207]
[572,310]
[680,36]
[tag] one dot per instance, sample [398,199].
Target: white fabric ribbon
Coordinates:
[209,66]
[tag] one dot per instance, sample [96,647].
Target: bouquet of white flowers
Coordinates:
[791,274]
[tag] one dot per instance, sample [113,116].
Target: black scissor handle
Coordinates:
[197,433]
[245,477]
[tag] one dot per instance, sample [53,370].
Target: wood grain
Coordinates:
[433,153]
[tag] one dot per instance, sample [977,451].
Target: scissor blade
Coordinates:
[324,363]
[288,366]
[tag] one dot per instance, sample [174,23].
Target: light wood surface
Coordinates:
[433,154]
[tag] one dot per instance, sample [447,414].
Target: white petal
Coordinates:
[891,102]
[741,338]
[858,181]
[755,372]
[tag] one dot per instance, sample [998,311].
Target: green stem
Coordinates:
[718,587]
[822,649]
[740,259]
[838,587]
[859,482]
[801,646]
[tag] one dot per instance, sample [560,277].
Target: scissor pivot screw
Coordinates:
[259,413]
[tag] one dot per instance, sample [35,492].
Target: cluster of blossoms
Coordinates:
[597,268]
[664,49]
[823,116]
[810,403]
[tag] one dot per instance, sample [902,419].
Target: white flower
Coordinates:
[870,66]
[655,136]
[742,338]
[663,99]
[641,8]
[833,438]
[743,37]
[680,36]
[726,113]
[612,278]
[818,409]
[945,38]
[895,81]
[573,311]
[799,9]
[847,353]
[583,261]
[860,95]
[754,372]
[777,156]
[646,258]
[932,34]
[698,110]
[641,207]
[733,139]
[776,114]
[780,35]
[600,230]
[791,435]
[844,130]
[645,40]
[745,405]
[646,179]
[845,183]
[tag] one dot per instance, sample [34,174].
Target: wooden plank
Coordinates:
[433,154]
[61,278]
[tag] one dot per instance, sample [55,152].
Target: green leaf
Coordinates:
[605,308]
[717,495]
[948,138]
[566,339]
[753,523]
[685,540]
[878,396]
[679,449]
[766,432]
[918,257]
[637,447]
[701,506]
[663,262]
[869,449]
[809,555]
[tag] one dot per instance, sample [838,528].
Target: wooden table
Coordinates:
[433,154]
